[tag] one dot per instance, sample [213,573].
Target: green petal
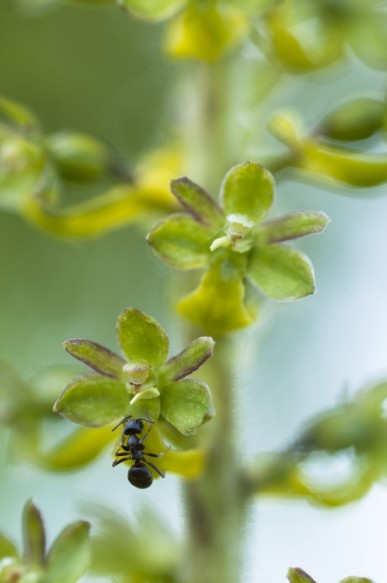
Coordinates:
[181,242]
[282,273]
[198,202]
[152,9]
[68,558]
[96,356]
[188,360]
[299,576]
[292,226]
[247,189]
[93,401]
[7,548]
[34,537]
[217,304]
[80,448]
[141,338]
[186,404]
[356,580]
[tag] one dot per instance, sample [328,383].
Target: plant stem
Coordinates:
[215,504]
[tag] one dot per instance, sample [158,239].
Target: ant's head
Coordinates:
[133,426]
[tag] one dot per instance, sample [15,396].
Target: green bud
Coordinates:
[79,158]
[356,580]
[297,575]
[355,120]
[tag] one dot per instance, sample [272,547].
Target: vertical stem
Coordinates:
[215,503]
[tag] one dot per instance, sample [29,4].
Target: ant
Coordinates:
[139,474]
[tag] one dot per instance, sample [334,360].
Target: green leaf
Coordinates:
[141,338]
[217,304]
[181,242]
[188,360]
[186,404]
[34,537]
[297,575]
[292,226]
[69,555]
[7,548]
[198,202]
[93,401]
[247,189]
[282,273]
[96,356]
[152,9]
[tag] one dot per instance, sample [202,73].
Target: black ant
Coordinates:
[139,474]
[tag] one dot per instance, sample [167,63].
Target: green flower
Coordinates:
[232,244]
[142,384]
[306,35]
[65,562]
[199,29]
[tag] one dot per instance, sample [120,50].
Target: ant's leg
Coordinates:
[147,433]
[156,469]
[123,459]
[157,454]
[122,421]
[121,453]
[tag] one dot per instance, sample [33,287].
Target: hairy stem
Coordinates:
[215,504]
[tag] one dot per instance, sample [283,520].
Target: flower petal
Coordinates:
[181,242]
[96,356]
[292,226]
[198,202]
[282,273]
[141,338]
[247,189]
[152,10]
[297,575]
[217,304]
[69,555]
[7,548]
[34,537]
[187,361]
[186,404]
[77,450]
[93,401]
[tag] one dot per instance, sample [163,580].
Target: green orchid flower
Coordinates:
[143,384]
[233,244]
[199,29]
[306,35]
[65,562]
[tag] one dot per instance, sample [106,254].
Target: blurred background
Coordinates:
[100,72]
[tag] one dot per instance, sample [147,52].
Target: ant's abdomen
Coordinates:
[140,476]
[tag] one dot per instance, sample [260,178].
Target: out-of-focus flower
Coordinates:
[65,562]
[307,35]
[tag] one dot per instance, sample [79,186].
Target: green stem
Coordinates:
[215,504]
